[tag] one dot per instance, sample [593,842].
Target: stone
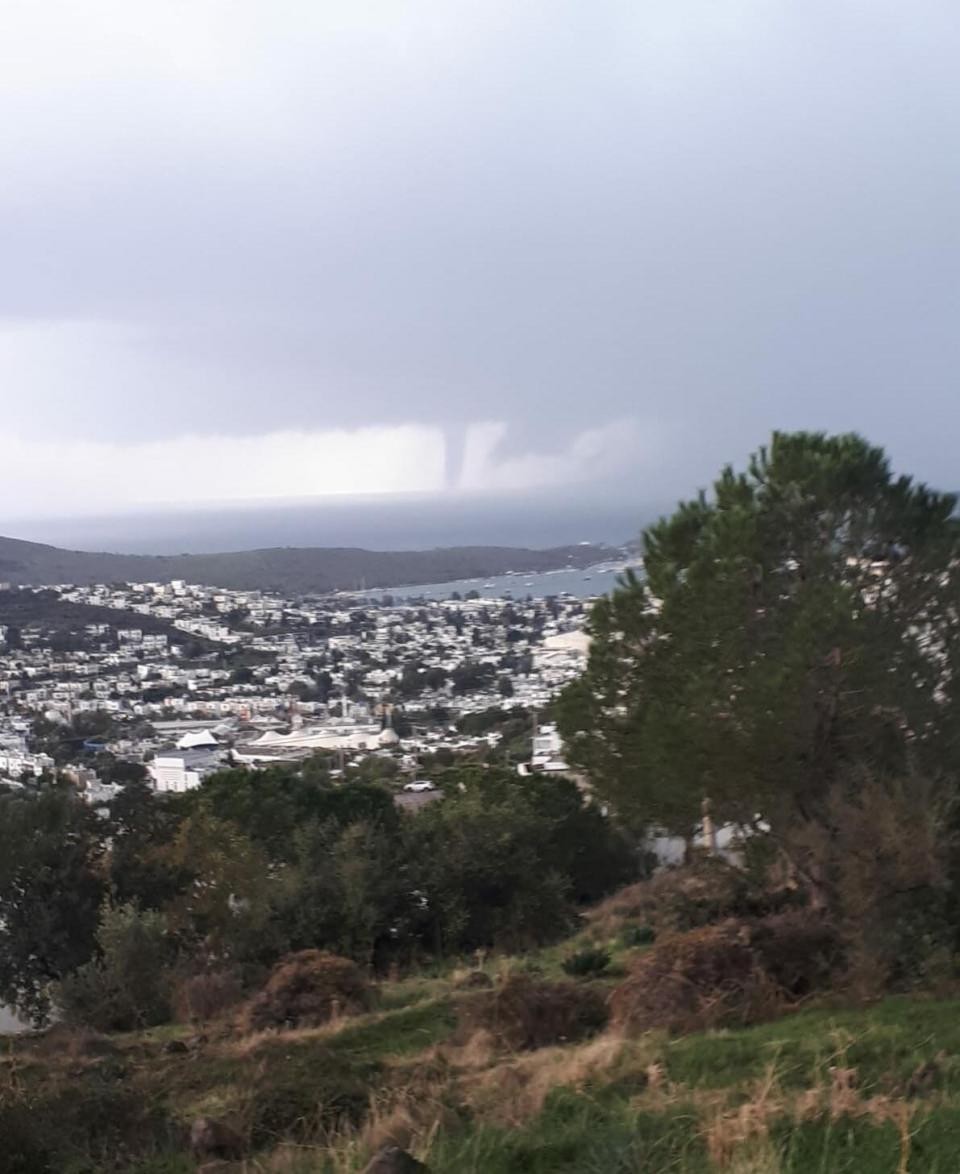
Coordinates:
[175,1047]
[393,1160]
[212,1139]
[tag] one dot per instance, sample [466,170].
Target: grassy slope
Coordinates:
[822,1090]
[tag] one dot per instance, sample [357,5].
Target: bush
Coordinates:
[586,962]
[884,863]
[638,935]
[308,988]
[95,1123]
[25,1146]
[726,975]
[799,950]
[703,892]
[706,977]
[524,1013]
[127,986]
[289,1103]
[199,998]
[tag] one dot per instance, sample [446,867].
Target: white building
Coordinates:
[184,771]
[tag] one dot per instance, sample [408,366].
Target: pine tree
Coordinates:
[801,618]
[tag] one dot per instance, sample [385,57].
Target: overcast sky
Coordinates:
[271,249]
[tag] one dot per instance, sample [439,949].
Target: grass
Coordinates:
[886,1043]
[822,1091]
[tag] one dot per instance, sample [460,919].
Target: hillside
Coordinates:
[65,619]
[286,569]
[824,1090]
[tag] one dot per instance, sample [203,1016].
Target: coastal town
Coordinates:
[170,682]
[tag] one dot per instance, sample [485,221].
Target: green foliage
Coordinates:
[127,986]
[638,935]
[269,806]
[500,860]
[345,889]
[586,963]
[141,825]
[254,865]
[576,1134]
[471,676]
[51,889]
[797,621]
[225,909]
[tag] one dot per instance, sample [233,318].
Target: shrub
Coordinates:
[799,950]
[291,1104]
[638,935]
[127,986]
[703,892]
[705,977]
[586,962]
[25,1146]
[308,988]
[523,1012]
[883,864]
[726,975]
[201,997]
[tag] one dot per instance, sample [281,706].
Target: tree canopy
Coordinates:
[799,619]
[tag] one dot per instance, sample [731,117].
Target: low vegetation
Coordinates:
[521,1072]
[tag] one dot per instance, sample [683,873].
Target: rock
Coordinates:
[393,1160]
[175,1047]
[213,1139]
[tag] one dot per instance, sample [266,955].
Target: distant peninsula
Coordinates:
[292,570]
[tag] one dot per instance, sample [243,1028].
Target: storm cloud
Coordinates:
[523,243]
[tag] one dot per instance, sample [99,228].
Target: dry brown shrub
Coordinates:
[800,950]
[879,860]
[307,988]
[707,977]
[198,998]
[524,1012]
[705,891]
[727,975]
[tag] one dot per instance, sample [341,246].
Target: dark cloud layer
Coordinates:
[710,218]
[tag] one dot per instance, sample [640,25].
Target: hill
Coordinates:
[67,621]
[297,570]
[821,1090]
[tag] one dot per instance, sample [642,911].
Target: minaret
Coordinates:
[709,830]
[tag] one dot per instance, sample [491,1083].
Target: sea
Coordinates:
[400,522]
[581,584]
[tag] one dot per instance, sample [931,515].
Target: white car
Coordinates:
[418,787]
